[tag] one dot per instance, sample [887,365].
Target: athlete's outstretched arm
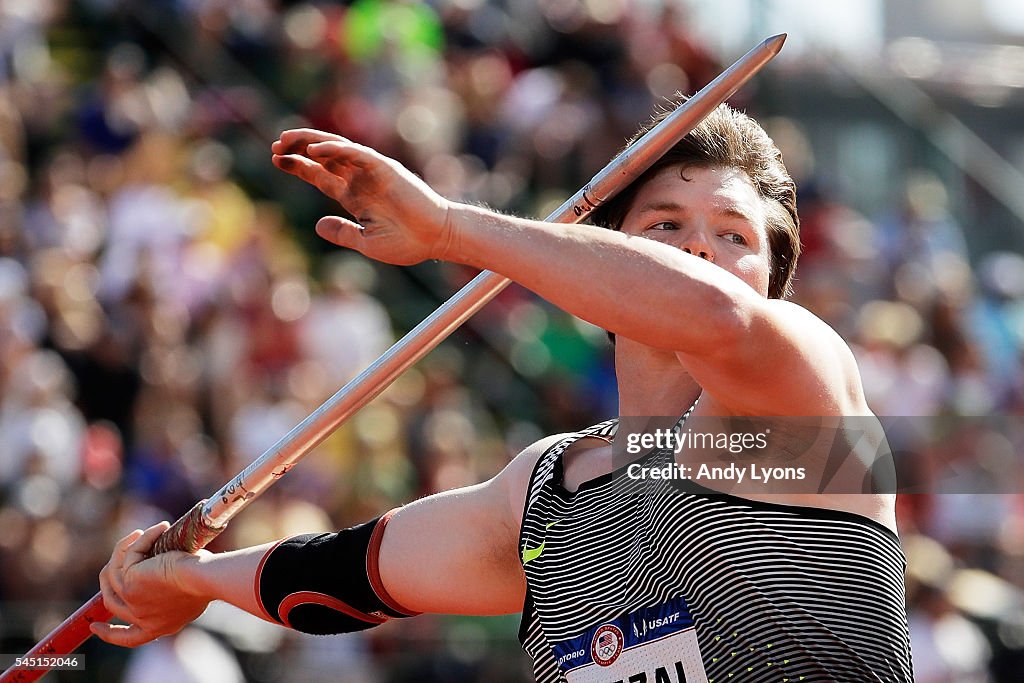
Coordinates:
[453,552]
[638,288]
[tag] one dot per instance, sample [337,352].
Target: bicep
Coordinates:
[454,553]
[457,552]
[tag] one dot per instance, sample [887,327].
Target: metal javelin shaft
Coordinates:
[208,518]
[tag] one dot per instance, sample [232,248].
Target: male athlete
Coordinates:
[620,577]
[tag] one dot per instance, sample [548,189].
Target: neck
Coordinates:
[651,381]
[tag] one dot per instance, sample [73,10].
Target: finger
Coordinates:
[331,184]
[121,546]
[140,549]
[112,598]
[112,572]
[345,152]
[296,140]
[115,634]
[340,231]
[296,164]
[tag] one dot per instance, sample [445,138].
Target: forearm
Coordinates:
[315,583]
[639,288]
[651,292]
[227,576]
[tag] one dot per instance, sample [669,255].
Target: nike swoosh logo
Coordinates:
[533,553]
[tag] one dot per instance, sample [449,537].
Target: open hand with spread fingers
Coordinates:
[398,218]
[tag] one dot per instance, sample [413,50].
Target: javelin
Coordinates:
[204,522]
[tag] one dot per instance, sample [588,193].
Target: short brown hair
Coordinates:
[730,139]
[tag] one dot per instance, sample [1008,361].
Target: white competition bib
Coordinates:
[649,645]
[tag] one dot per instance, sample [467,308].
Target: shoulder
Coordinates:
[784,345]
[513,481]
[821,356]
[518,472]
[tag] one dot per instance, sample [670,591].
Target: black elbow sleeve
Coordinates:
[327,583]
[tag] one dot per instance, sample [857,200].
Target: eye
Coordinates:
[736,238]
[664,225]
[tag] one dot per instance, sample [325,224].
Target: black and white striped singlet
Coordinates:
[644,581]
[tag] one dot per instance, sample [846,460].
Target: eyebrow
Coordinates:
[666,206]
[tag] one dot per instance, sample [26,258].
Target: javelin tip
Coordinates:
[775,43]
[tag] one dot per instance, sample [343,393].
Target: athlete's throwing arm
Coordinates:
[652,291]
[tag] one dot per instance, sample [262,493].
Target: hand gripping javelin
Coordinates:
[208,518]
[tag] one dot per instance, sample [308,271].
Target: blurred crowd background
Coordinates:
[166,313]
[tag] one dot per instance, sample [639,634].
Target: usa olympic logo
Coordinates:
[607,645]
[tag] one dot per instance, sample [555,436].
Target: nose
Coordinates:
[697,245]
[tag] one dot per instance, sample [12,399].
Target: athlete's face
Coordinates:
[714,213]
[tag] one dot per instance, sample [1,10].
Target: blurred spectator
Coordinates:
[40,428]
[948,648]
[191,656]
[345,328]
